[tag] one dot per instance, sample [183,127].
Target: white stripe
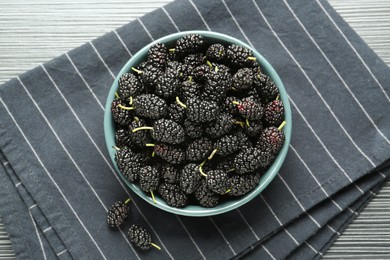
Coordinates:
[223,236]
[315,178]
[246,222]
[32,206]
[296,199]
[312,248]
[323,145]
[334,231]
[265,19]
[352,211]
[37,233]
[124,45]
[146,30]
[353,48]
[49,175]
[47,229]
[85,82]
[189,235]
[200,15]
[5,163]
[337,73]
[268,252]
[100,57]
[66,150]
[170,18]
[17,184]
[63,251]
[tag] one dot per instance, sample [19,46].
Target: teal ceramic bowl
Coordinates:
[192,210]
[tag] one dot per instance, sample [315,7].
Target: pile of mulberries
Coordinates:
[196,123]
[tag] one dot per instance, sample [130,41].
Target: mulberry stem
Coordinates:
[136,118]
[210,64]
[116,95]
[150,145]
[277,98]
[142,128]
[153,154]
[235,102]
[138,71]
[153,198]
[131,100]
[172,50]
[247,122]
[125,108]
[180,103]
[127,201]
[228,190]
[156,246]
[251,58]
[201,170]
[116,147]
[212,154]
[282,125]
[239,123]
[232,170]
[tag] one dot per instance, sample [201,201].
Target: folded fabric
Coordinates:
[316,219]
[324,238]
[51,134]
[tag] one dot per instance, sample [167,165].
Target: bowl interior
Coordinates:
[193,210]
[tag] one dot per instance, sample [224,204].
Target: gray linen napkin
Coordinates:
[51,134]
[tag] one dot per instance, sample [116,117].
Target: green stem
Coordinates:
[156,246]
[251,58]
[277,98]
[116,147]
[127,201]
[235,102]
[142,128]
[153,198]
[282,125]
[216,69]
[247,122]
[136,118]
[149,145]
[209,63]
[180,103]
[172,50]
[228,190]
[116,95]
[125,108]
[201,169]
[153,154]
[212,154]
[190,78]
[131,100]
[232,170]
[138,71]
[239,123]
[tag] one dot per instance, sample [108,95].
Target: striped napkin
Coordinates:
[57,182]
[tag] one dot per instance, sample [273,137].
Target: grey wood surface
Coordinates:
[35,31]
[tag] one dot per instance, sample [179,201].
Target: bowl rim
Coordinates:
[193,210]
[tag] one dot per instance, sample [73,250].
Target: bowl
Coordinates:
[194,210]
